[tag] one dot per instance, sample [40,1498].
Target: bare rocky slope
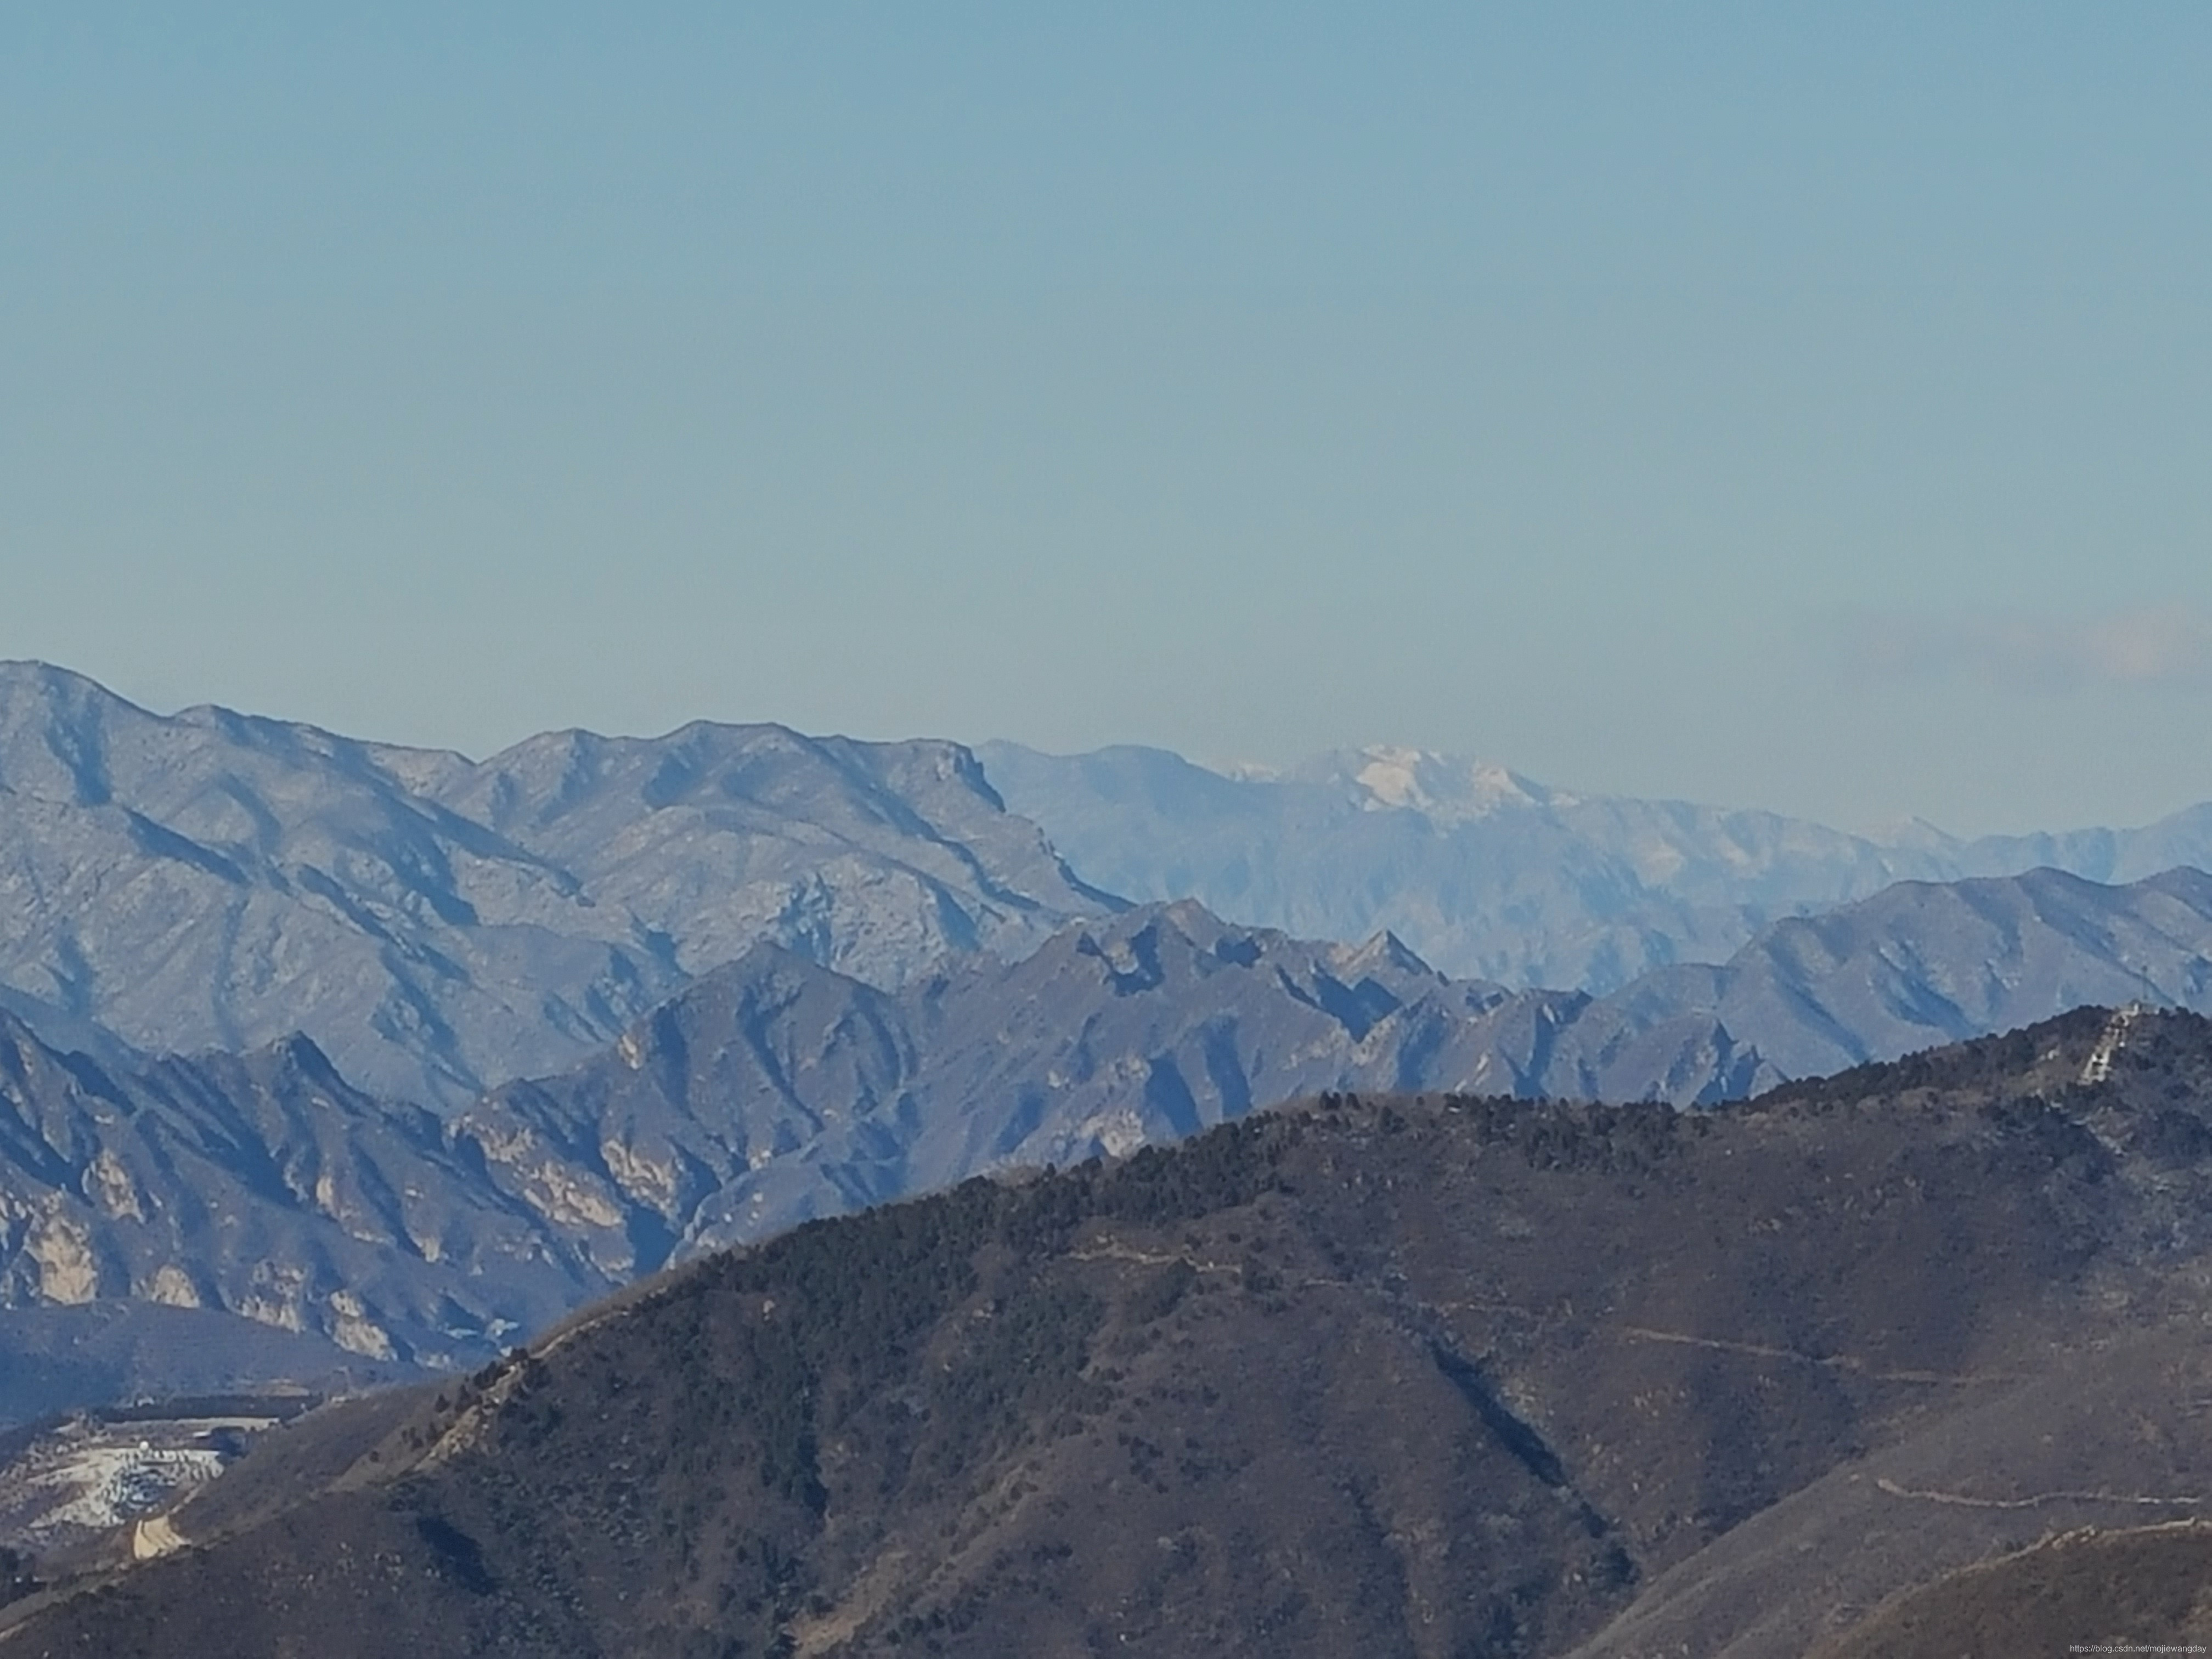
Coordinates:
[266,1186]
[215,880]
[1433,1375]
[774,1089]
[265,1189]
[1490,874]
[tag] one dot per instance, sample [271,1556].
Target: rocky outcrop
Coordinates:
[439,926]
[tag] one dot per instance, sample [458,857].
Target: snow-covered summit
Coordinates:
[1488,873]
[1445,788]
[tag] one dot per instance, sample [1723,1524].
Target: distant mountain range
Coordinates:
[406,1053]
[773,1089]
[440,926]
[212,880]
[1370,1375]
[325,1063]
[1488,874]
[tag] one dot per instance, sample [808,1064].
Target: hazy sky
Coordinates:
[1798,406]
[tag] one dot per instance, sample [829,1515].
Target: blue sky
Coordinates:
[1805,407]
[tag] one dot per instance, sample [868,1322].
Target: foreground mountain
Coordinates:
[209,879]
[1492,875]
[2139,1589]
[1428,1375]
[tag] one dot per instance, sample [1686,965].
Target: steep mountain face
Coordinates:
[438,926]
[262,1187]
[267,1186]
[1427,1377]
[1919,964]
[1488,874]
[873,858]
[773,1091]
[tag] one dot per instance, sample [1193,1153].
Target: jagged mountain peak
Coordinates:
[788,1092]
[28,678]
[1488,874]
[1385,951]
[1449,789]
[212,879]
[774,1089]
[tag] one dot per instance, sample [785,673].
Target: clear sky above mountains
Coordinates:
[1800,410]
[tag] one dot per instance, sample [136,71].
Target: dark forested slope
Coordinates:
[1429,1376]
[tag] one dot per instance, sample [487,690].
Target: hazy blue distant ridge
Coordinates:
[772,1090]
[1488,874]
[210,879]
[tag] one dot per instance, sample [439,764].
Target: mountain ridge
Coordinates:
[773,1090]
[210,879]
[1489,874]
[1413,1375]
